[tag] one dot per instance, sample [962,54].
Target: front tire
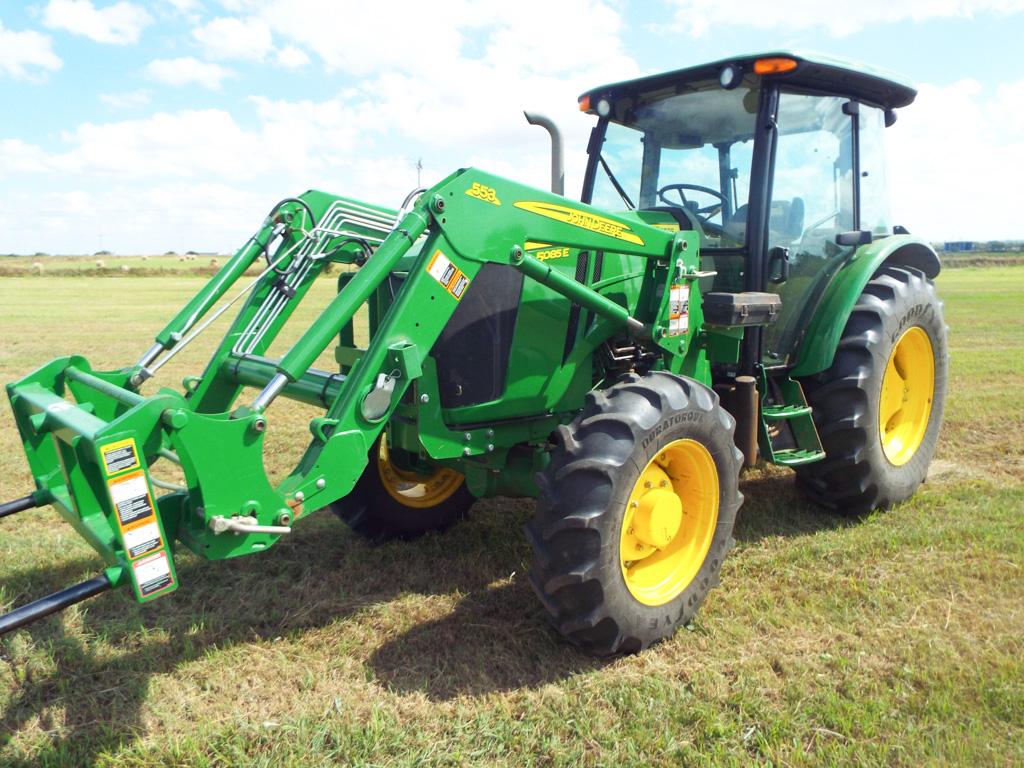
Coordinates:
[878,409]
[636,513]
[391,503]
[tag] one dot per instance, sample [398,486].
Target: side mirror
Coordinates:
[856,237]
[781,255]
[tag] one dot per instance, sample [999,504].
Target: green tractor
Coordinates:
[729,285]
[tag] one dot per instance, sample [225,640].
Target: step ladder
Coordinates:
[786,433]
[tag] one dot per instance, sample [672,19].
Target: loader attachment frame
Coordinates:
[91,438]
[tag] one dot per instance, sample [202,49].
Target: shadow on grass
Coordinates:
[88,695]
[773,506]
[496,638]
[493,641]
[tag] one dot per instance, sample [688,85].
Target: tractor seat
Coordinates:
[786,219]
[735,226]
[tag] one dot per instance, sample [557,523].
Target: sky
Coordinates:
[144,127]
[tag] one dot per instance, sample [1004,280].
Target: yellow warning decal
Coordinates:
[120,456]
[582,219]
[668,227]
[481,192]
[451,278]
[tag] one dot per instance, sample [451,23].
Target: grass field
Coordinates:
[893,639]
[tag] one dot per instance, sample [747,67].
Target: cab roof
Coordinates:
[814,72]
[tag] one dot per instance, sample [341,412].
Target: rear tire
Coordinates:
[390,503]
[879,429]
[649,463]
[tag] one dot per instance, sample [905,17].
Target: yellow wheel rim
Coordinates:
[415,490]
[669,523]
[908,387]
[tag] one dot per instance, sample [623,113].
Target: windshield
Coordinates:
[687,155]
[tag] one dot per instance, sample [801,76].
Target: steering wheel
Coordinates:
[708,211]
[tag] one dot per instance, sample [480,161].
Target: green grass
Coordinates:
[894,639]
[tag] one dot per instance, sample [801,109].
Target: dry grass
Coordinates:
[893,639]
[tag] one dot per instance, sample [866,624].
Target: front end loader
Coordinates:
[619,358]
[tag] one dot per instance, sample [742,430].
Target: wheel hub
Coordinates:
[669,522]
[657,518]
[905,402]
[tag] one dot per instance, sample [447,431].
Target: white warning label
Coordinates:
[130,495]
[142,539]
[679,310]
[152,573]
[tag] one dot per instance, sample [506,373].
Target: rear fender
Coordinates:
[822,337]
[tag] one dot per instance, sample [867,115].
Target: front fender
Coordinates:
[823,333]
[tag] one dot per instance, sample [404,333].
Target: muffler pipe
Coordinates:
[557,150]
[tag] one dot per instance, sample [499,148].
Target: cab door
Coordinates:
[813,199]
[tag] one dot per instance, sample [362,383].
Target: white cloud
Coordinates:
[838,19]
[23,54]
[126,99]
[185,6]
[455,102]
[178,216]
[953,158]
[291,57]
[186,71]
[120,23]
[231,38]
[17,156]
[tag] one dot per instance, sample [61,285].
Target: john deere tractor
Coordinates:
[729,286]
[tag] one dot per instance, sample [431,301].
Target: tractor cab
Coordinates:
[776,160]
